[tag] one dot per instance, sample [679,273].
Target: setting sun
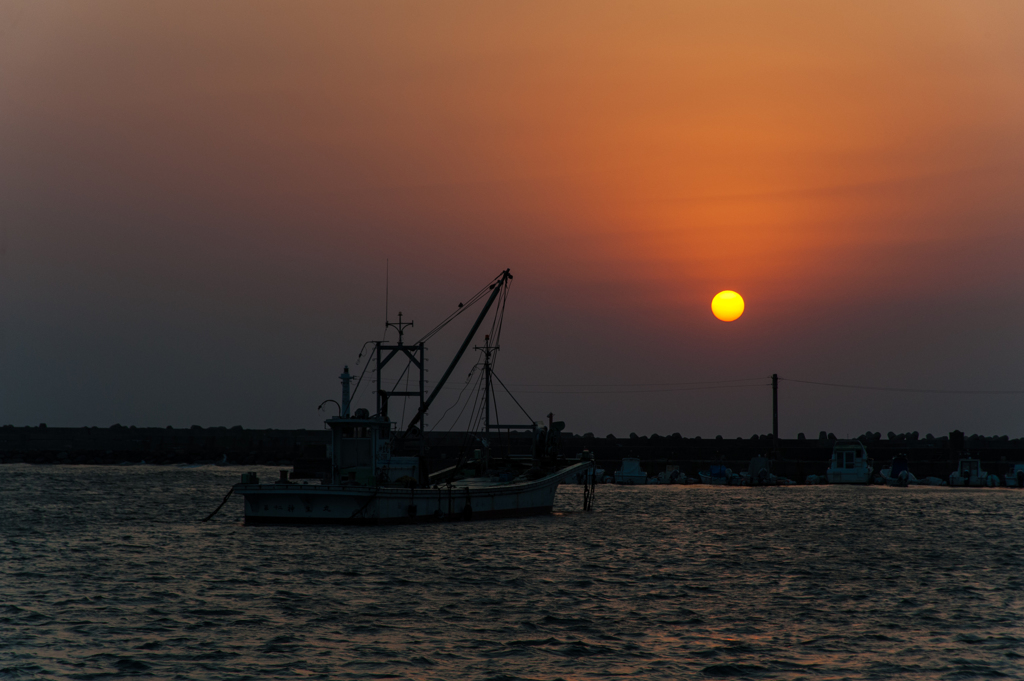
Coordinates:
[727,306]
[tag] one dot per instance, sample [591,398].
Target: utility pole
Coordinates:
[775,412]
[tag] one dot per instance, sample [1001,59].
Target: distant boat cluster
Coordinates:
[850,465]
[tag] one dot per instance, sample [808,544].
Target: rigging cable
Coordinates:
[462,308]
[512,396]
[405,399]
[402,375]
[455,422]
[494,405]
[360,381]
[469,432]
[458,398]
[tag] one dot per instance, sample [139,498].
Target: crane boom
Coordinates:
[497,286]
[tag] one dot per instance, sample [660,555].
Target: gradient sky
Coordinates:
[198,202]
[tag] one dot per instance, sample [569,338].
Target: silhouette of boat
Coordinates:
[373,474]
[759,474]
[968,473]
[850,464]
[898,473]
[630,473]
[716,474]
[1015,478]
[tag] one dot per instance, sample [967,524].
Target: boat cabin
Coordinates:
[850,463]
[970,468]
[630,473]
[968,472]
[361,452]
[899,464]
[849,455]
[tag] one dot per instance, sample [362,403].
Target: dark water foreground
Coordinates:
[105,573]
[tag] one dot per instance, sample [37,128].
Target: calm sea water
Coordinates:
[106,573]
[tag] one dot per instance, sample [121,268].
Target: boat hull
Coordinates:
[848,476]
[974,481]
[352,505]
[408,520]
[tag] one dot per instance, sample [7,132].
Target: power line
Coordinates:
[627,388]
[634,388]
[634,385]
[628,392]
[906,390]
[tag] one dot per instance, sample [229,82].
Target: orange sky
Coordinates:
[205,170]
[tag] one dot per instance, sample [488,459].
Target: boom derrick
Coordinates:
[496,287]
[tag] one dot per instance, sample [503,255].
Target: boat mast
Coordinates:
[496,287]
[775,414]
[346,394]
[488,349]
[385,353]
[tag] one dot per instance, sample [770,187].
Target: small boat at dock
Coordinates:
[759,474]
[716,475]
[1015,477]
[671,476]
[898,473]
[968,473]
[585,476]
[850,464]
[630,473]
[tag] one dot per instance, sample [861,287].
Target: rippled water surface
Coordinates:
[105,572]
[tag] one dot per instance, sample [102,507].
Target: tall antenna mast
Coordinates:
[387,285]
[488,350]
[400,325]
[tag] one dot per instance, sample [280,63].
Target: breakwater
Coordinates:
[121,444]
[795,458]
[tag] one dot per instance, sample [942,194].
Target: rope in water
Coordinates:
[230,492]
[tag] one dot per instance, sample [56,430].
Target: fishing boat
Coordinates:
[585,476]
[373,474]
[898,473]
[630,473]
[716,475]
[671,476]
[759,474]
[1015,477]
[968,473]
[850,464]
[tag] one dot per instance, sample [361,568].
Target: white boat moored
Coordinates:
[850,464]
[968,473]
[630,473]
[1015,478]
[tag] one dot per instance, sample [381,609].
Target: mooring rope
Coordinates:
[230,492]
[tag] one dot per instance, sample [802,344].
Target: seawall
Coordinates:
[796,458]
